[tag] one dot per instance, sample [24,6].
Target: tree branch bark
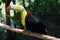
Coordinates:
[24,32]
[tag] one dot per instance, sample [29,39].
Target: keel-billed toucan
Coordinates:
[29,21]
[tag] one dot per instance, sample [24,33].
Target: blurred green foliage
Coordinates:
[47,10]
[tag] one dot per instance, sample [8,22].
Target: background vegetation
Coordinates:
[48,11]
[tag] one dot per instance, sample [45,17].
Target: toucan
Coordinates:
[29,21]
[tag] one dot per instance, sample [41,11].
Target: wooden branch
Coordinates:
[40,36]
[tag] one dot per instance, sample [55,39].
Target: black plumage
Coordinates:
[34,24]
